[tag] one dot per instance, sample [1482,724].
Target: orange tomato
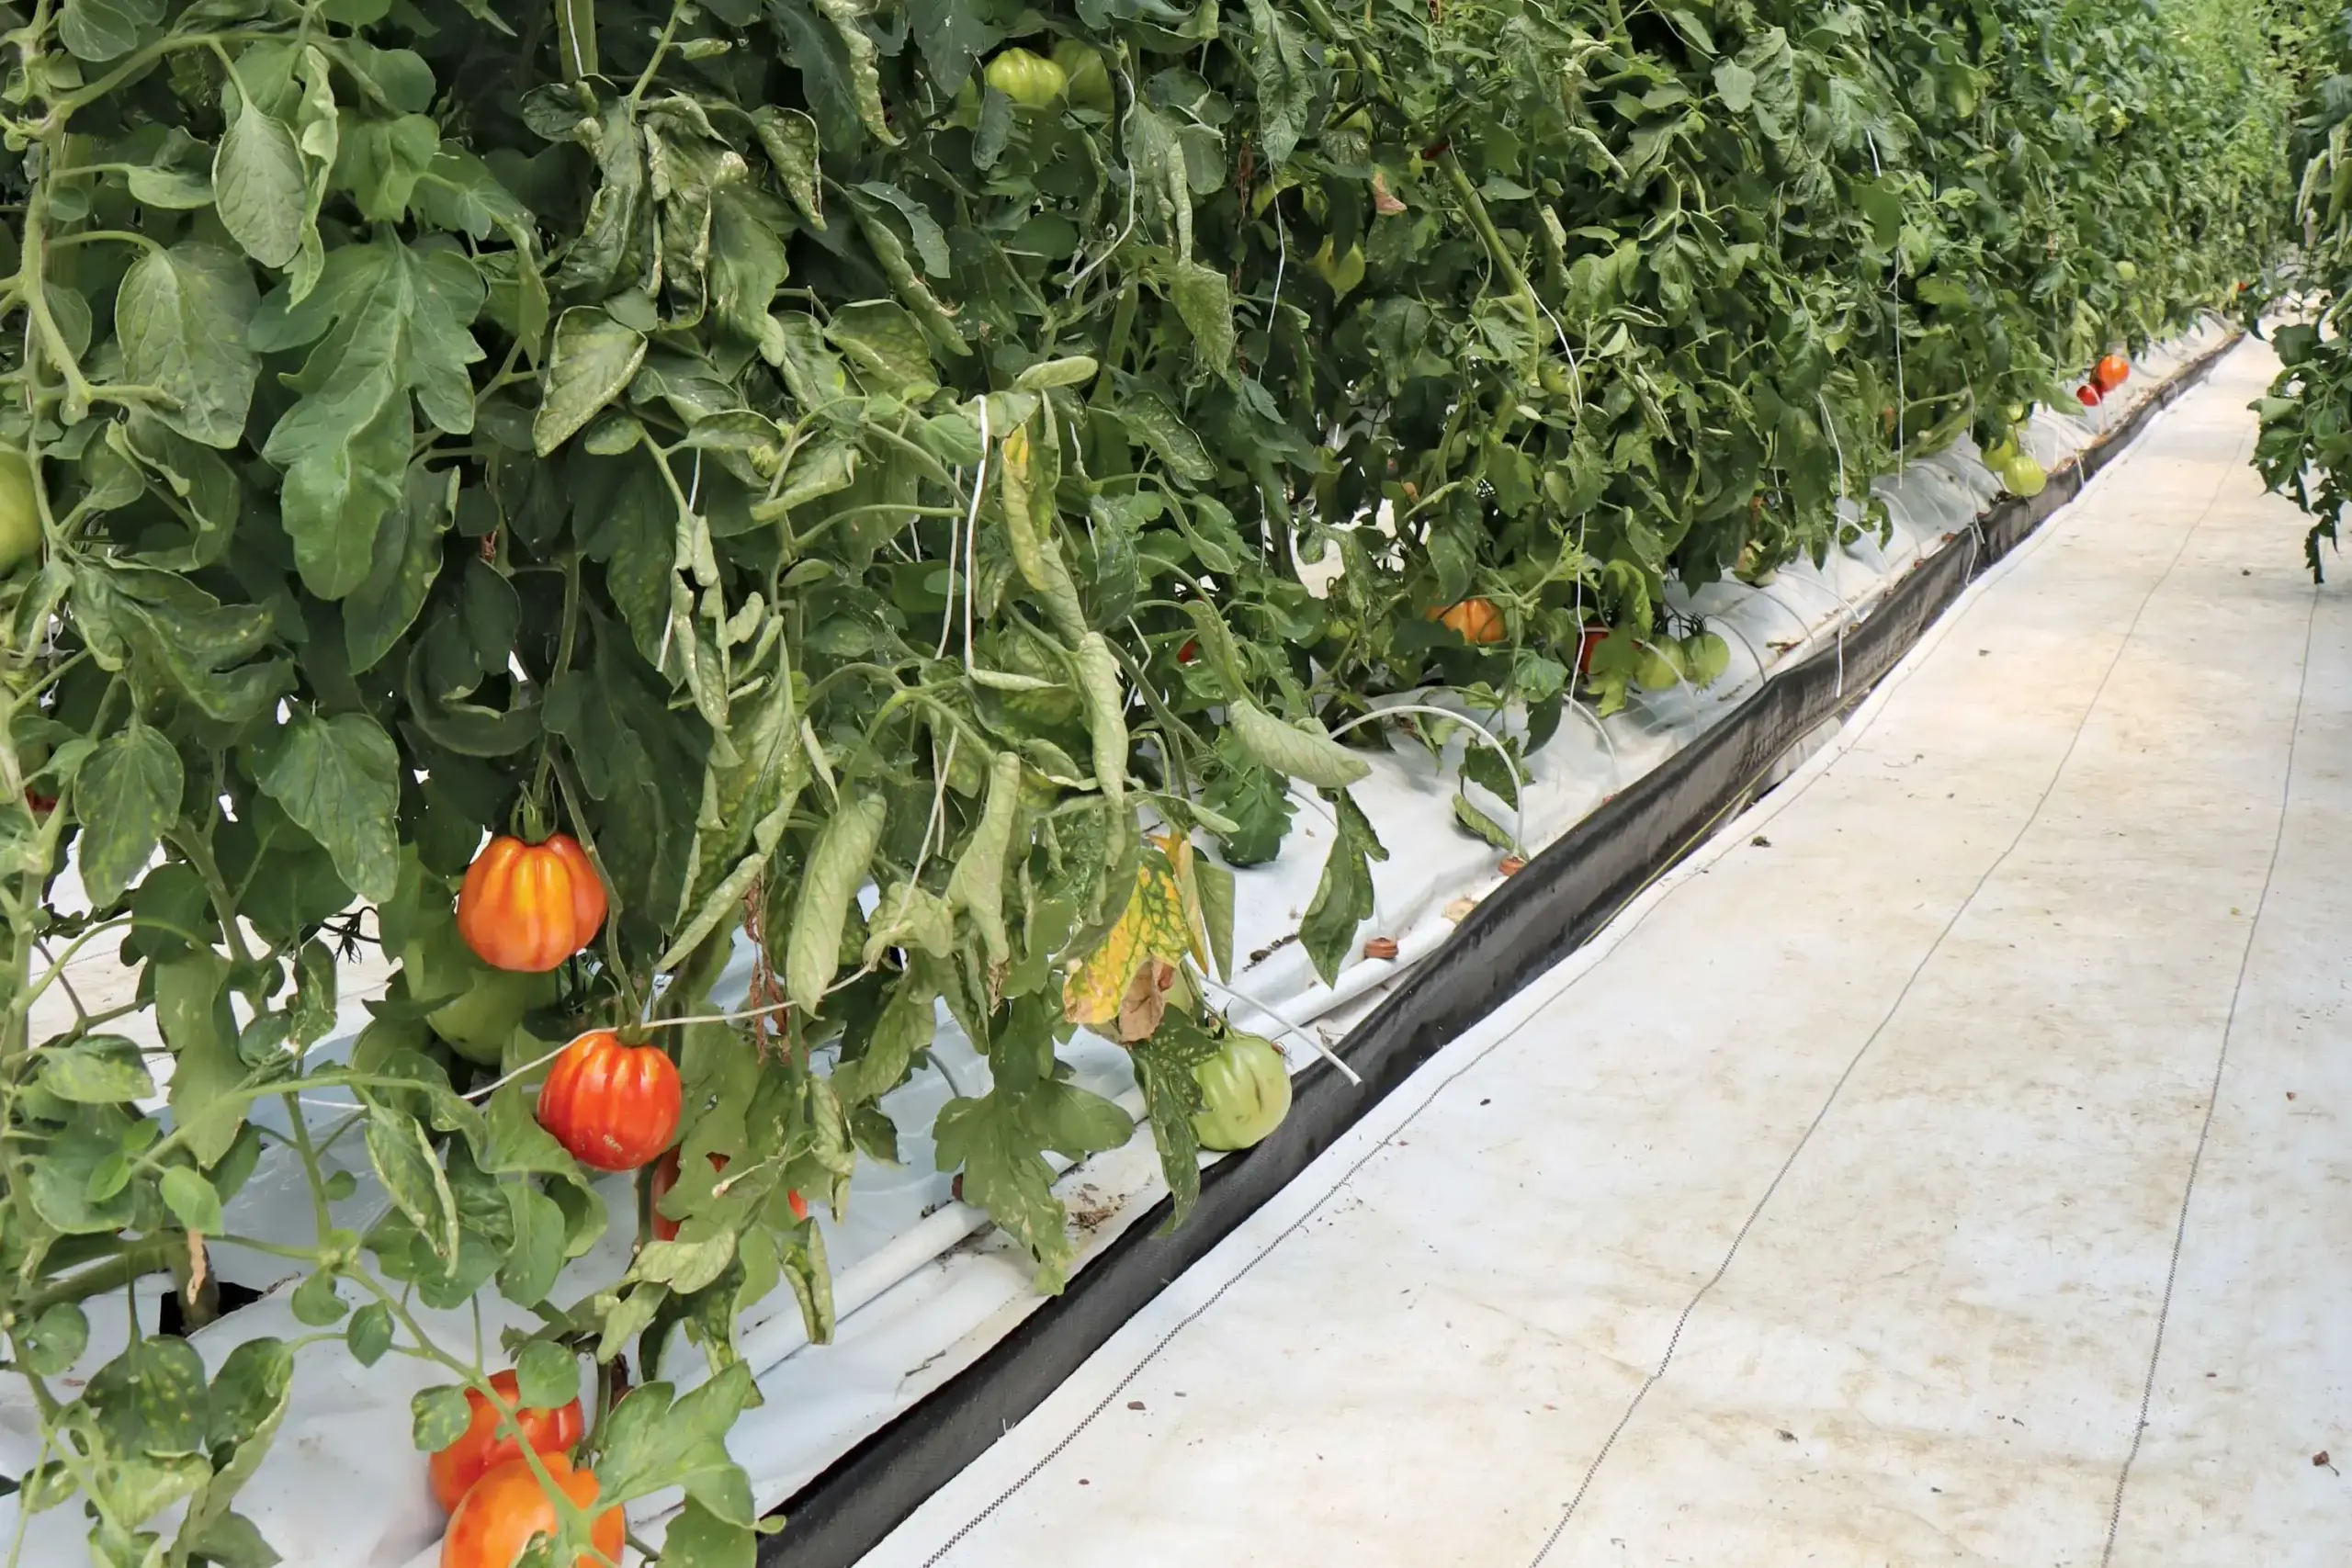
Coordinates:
[484,1448]
[508,1510]
[529,906]
[2111,372]
[1474,620]
[613,1106]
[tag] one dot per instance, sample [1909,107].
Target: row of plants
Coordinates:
[2305,447]
[596,500]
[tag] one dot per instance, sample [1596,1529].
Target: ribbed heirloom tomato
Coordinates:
[1474,620]
[1245,1093]
[1028,79]
[483,1447]
[508,1510]
[529,906]
[612,1106]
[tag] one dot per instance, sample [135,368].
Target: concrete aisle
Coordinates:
[1826,1211]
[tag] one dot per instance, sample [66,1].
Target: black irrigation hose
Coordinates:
[1557,902]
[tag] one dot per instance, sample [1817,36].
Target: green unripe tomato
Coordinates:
[1245,1093]
[2022,476]
[492,1001]
[1997,455]
[2127,272]
[1342,272]
[1087,81]
[1654,672]
[1030,80]
[19,514]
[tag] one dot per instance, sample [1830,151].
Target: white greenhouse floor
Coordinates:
[1849,1200]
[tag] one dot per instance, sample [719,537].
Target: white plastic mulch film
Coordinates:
[917,1304]
[1945,1165]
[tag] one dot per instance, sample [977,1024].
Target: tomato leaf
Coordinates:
[152,1399]
[338,779]
[649,1443]
[700,1539]
[438,1416]
[182,314]
[1343,899]
[127,795]
[1172,1098]
[593,358]
[258,185]
[404,1162]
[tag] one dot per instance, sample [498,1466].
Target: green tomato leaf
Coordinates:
[192,1200]
[649,1443]
[1308,755]
[1000,1138]
[315,1302]
[404,1162]
[1172,1098]
[536,1257]
[229,1540]
[593,360]
[438,1417]
[369,1334]
[1343,899]
[546,1375]
[181,316]
[700,1539]
[389,322]
[128,794]
[105,29]
[259,185]
[152,1399]
[339,780]
[52,1342]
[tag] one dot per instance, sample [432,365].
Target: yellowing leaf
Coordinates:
[1153,927]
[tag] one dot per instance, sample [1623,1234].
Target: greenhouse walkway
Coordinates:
[1856,1196]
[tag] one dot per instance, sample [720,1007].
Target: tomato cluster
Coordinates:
[496,1503]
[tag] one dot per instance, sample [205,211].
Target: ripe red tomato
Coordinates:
[42,804]
[613,1106]
[529,906]
[1474,620]
[1189,651]
[2110,372]
[508,1510]
[1585,645]
[2088,395]
[483,1447]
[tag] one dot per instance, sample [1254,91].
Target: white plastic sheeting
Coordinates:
[1845,1200]
[921,1293]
